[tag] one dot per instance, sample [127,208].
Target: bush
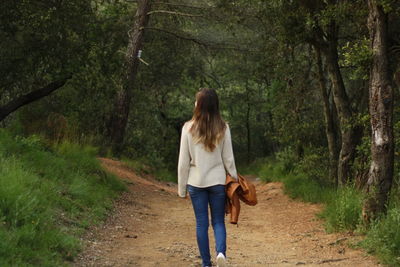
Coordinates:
[288,159]
[271,170]
[343,210]
[383,238]
[314,165]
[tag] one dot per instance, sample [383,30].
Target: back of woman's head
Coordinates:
[208,127]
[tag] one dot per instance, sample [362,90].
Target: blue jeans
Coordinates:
[201,198]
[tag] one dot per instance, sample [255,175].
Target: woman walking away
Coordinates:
[205,157]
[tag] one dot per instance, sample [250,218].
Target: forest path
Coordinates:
[151,226]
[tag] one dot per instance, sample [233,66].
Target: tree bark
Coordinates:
[23,100]
[248,123]
[119,118]
[342,103]
[381,113]
[331,135]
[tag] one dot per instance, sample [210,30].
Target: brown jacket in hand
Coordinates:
[236,190]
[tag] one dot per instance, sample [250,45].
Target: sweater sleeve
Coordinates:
[227,154]
[183,163]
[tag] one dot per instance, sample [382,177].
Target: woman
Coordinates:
[205,157]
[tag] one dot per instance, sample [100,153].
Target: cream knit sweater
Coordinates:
[201,168]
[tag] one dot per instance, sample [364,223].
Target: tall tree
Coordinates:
[342,102]
[330,132]
[119,118]
[381,113]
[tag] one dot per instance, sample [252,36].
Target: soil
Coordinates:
[151,226]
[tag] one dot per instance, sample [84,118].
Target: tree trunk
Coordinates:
[119,118]
[329,123]
[248,124]
[342,103]
[23,100]
[381,113]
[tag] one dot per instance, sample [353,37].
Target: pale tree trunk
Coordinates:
[119,118]
[331,135]
[342,103]
[381,113]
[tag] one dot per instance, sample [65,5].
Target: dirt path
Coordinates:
[151,226]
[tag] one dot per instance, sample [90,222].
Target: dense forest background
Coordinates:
[296,82]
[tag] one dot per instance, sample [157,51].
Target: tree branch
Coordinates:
[179,5]
[179,36]
[23,100]
[174,13]
[200,42]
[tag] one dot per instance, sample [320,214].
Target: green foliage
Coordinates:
[314,164]
[306,189]
[388,5]
[271,171]
[48,197]
[343,210]
[41,43]
[287,158]
[146,167]
[254,167]
[259,56]
[298,184]
[165,175]
[357,54]
[138,165]
[383,238]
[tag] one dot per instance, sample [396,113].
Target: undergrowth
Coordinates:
[49,195]
[342,207]
[383,237]
[142,166]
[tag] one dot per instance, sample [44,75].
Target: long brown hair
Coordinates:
[208,127]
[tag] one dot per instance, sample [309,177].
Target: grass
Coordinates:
[383,237]
[49,195]
[297,185]
[343,211]
[342,207]
[142,166]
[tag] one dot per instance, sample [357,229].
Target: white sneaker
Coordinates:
[221,261]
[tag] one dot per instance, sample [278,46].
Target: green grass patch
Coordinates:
[296,185]
[343,211]
[299,186]
[383,237]
[49,195]
[142,166]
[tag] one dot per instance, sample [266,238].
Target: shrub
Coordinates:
[343,210]
[383,238]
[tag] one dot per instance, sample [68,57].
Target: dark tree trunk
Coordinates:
[342,103]
[330,132]
[248,133]
[119,118]
[23,100]
[381,113]
[248,124]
